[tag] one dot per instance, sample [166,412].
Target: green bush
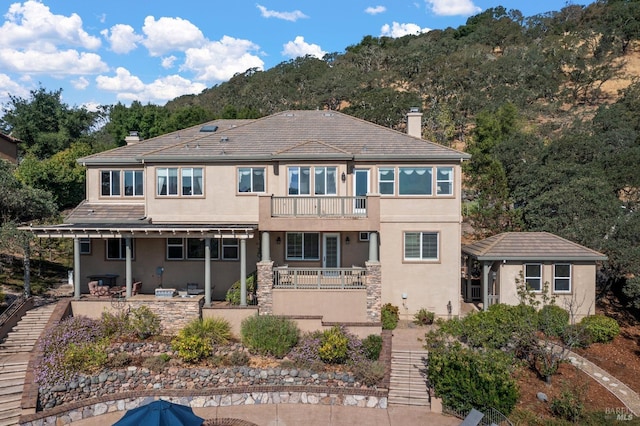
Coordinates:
[156,363]
[115,324]
[423,317]
[218,330]
[465,378]
[86,357]
[570,404]
[390,316]
[269,334]
[372,346]
[191,348]
[334,347]
[497,327]
[552,320]
[239,358]
[121,359]
[233,294]
[369,372]
[144,322]
[600,328]
[576,336]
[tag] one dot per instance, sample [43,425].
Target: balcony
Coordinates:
[323,213]
[353,278]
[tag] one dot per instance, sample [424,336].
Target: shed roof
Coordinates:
[530,246]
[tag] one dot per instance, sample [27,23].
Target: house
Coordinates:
[9,148]
[496,265]
[336,216]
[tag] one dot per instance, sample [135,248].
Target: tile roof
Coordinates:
[289,134]
[537,246]
[107,213]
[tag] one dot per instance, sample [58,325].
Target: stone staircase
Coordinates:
[408,378]
[14,358]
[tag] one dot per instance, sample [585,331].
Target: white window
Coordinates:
[299,180]
[230,249]
[251,179]
[303,246]
[533,276]
[444,181]
[110,183]
[421,246]
[116,248]
[167,183]
[325,180]
[562,278]
[133,183]
[85,245]
[191,181]
[175,249]
[415,181]
[386,181]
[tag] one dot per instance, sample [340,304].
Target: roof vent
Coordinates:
[208,128]
[224,139]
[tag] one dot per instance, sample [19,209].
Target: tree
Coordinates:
[19,202]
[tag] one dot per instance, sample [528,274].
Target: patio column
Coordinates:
[207,272]
[266,247]
[243,272]
[76,268]
[373,246]
[127,267]
[467,292]
[486,267]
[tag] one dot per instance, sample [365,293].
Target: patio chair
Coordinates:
[98,290]
[137,288]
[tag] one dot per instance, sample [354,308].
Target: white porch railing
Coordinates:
[330,206]
[319,278]
[494,299]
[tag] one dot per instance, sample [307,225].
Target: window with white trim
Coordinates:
[562,278]
[421,245]
[533,276]
[415,181]
[191,180]
[303,246]
[326,180]
[299,180]
[444,180]
[116,248]
[85,245]
[251,179]
[386,180]
[110,183]
[133,183]
[167,181]
[175,248]
[230,249]
[193,249]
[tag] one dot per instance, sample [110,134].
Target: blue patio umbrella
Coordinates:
[160,413]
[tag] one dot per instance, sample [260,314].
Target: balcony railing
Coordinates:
[327,207]
[319,278]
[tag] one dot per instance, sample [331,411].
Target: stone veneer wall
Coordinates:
[174,315]
[374,291]
[87,409]
[264,292]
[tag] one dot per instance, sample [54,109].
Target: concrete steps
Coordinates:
[14,356]
[408,384]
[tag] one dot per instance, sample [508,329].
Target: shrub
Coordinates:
[86,356]
[423,317]
[334,346]
[575,336]
[269,334]
[465,378]
[115,324]
[144,322]
[156,363]
[217,329]
[233,294]
[306,352]
[239,358]
[390,316]
[191,348]
[570,404]
[552,320]
[121,359]
[368,372]
[600,328]
[372,346]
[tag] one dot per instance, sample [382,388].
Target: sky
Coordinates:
[152,51]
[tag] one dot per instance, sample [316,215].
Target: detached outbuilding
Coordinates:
[495,265]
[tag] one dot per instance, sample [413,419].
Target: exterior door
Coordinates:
[360,188]
[330,250]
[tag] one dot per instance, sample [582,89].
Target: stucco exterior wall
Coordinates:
[332,305]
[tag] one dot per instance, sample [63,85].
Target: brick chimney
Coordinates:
[414,122]
[133,138]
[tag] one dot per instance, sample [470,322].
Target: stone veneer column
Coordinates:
[374,291]
[264,292]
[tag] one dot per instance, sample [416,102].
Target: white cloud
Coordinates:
[371,10]
[122,82]
[122,38]
[299,47]
[80,83]
[8,86]
[29,24]
[170,34]
[287,16]
[68,62]
[91,106]
[168,62]
[217,61]
[398,30]
[453,7]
